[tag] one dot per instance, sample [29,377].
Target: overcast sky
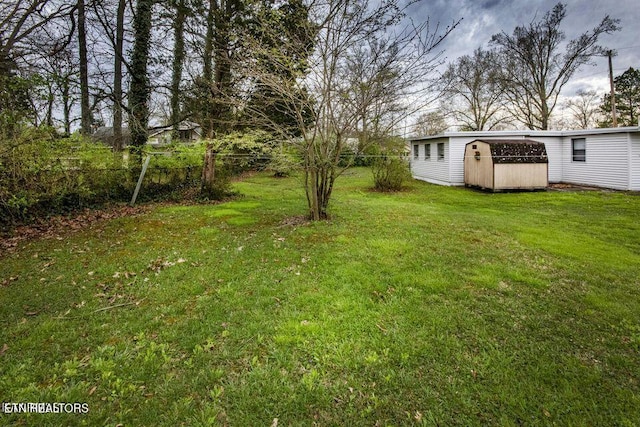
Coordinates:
[483,18]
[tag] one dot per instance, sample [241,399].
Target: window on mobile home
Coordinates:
[579,149]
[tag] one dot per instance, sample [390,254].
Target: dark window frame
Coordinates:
[579,154]
[441,152]
[416,151]
[427,151]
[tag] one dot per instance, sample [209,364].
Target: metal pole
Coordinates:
[614,119]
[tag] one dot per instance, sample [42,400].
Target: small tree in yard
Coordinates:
[390,167]
[390,172]
[363,65]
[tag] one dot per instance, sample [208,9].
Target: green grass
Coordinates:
[434,306]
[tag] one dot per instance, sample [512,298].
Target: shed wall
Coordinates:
[606,165]
[478,172]
[516,176]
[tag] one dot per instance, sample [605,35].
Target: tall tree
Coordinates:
[288,26]
[214,89]
[537,66]
[474,88]
[140,89]
[85,108]
[110,25]
[118,55]
[180,16]
[627,94]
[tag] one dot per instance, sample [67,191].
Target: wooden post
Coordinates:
[144,170]
[614,119]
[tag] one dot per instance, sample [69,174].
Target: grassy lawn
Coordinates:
[434,306]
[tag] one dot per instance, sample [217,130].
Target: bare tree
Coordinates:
[118,55]
[364,62]
[27,33]
[474,90]
[537,65]
[180,16]
[431,123]
[20,21]
[584,109]
[85,108]
[109,27]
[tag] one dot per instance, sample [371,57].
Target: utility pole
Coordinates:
[614,119]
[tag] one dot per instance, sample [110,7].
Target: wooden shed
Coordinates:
[506,164]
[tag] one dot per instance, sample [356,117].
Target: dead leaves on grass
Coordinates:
[57,226]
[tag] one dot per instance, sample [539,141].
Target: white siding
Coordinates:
[634,162]
[612,156]
[553,146]
[456,159]
[606,165]
[432,170]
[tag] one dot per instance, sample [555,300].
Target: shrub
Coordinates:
[283,164]
[390,172]
[41,174]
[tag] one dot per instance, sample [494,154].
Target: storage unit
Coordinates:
[506,164]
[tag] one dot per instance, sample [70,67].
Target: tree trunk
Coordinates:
[209,171]
[216,72]
[50,99]
[140,89]
[118,143]
[178,60]
[66,106]
[85,110]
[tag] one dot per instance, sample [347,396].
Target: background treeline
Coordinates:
[329,81]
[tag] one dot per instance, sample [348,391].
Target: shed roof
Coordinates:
[517,150]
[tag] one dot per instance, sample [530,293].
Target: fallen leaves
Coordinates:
[7,281]
[160,263]
[55,227]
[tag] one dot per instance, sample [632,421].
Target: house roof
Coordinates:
[105,135]
[516,150]
[183,125]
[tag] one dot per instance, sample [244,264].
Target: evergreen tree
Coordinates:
[627,87]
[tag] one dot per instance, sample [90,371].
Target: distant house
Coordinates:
[608,158]
[105,135]
[158,136]
[187,132]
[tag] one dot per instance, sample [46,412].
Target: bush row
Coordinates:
[42,174]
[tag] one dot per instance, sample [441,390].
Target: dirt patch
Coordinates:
[295,221]
[574,187]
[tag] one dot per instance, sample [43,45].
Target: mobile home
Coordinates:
[608,158]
